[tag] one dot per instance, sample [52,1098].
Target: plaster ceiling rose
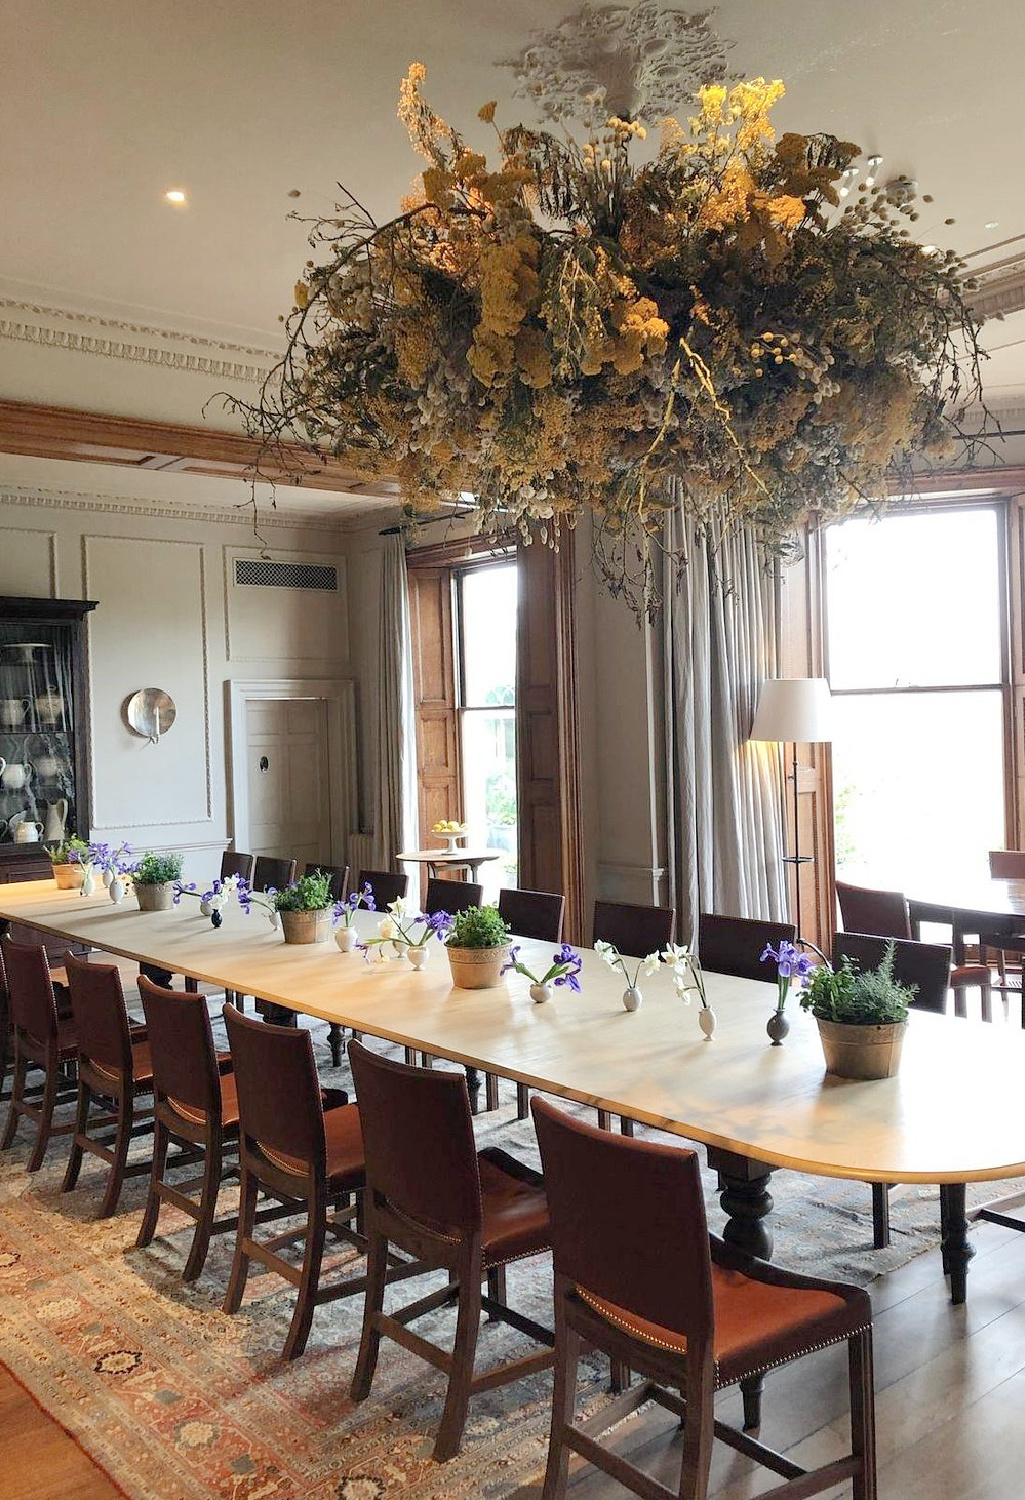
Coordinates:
[638,61]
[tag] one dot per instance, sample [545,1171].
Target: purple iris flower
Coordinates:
[180,887]
[789,960]
[438,922]
[510,962]
[571,963]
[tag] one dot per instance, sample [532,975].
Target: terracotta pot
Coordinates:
[68,877]
[156,895]
[477,968]
[306,926]
[862,1051]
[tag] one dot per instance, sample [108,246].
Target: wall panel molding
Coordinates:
[50,538]
[216,515]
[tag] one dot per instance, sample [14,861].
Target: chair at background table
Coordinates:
[385,886]
[926,966]
[242,865]
[452,895]
[293,1150]
[734,945]
[884,913]
[338,876]
[269,871]
[432,1194]
[114,1067]
[41,1039]
[1007,864]
[637,931]
[537,915]
[637,1277]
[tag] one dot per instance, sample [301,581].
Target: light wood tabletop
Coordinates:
[951,1116]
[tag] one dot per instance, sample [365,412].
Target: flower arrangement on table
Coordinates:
[688,979]
[216,897]
[861,1015]
[112,863]
[791,963]
[563,970]
[587,328]
[66,862]
[407,931]
[343,912]
[154,878]
[650,964]
[478,945]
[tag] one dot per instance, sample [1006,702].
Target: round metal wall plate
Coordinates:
[150,712]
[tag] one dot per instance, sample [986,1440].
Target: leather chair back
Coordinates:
[238,864]
[881,913]
[338,876]
[269,871]
[182,1049]
[452,895]
[30,990]
[628,1221]
[418,1141]
[279,1102]
[925,965]
[734,945]
[533,914]
[101,1019]
[1007,864]
[635,930]
[385,886]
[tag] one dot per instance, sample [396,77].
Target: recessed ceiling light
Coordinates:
[176,196]
[991,224]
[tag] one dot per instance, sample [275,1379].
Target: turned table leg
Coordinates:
[744,1195]
[957,1248]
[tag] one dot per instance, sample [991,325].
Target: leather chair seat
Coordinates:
[67,1044]
[344,1150]
[514,1208]
[142,1065]
[229,1105]
[758,1324]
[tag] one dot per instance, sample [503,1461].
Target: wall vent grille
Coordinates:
[258,573]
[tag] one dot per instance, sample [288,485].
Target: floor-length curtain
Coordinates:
[724,796]
[396,813]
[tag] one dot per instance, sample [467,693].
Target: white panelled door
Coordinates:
[287,772]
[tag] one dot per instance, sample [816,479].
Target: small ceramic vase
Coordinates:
[108,876]
[777,1027]
[88,881]
[345,937]
[539,993]
[706,1020]
[399,948]
[274,920]
[205,909]
[417,954]
[116,889]
[632,998]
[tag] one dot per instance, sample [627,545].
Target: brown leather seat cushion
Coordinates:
[757,1325]
[229,1105]
[142,1065]
[514,1207]
[344,1150]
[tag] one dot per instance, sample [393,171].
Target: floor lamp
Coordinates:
[794,711]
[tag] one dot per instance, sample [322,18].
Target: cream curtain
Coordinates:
[724,793]
[395,824]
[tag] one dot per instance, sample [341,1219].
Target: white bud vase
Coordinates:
[88,881]
[706,1020]
[116,889]
[632,997]
[399,948]
[205,908]
[539,993]
[108,876]
[345,937]
[417,955]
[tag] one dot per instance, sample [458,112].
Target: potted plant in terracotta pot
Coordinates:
[66,862]
[304,908]
[862,1016]
[478,945]
[153,880]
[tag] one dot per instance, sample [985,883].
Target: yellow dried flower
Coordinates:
[487,111]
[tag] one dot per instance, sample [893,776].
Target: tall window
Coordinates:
[918,664]
[486,698]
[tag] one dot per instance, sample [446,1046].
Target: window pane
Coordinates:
[489,635]
[489,792]
[914,600]
[918,788]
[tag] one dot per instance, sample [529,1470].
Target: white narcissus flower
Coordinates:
[403,909]
[386,927]
[651,963]
[606,952]
[683,989]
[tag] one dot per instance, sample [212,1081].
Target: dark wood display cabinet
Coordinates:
[44,781]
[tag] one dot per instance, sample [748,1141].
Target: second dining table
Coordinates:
[950,1117]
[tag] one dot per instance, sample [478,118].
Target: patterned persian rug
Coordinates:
[178,1401]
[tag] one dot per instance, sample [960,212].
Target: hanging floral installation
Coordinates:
[599,328]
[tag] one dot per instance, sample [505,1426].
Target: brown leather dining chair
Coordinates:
[41,1039]
[242,865]
[386,886]
[883,913]
[638,1277]
[452,895]
[269,871]
[294,1150]
[433,1195]
[114,1067]
[636,930]
[734,945]
[533,914]
[337,875]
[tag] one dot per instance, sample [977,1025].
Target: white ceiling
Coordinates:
[105,105]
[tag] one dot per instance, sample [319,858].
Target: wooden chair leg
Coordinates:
[207,1209]
[46,1105]
[460,1379]
[564,1402]
[17,1097]
[491,1100]
[334,1041]
[497,1290]
[522,1101]
[604,1119]
[880,1215]
[751,1391]
[370,1340]
[122,1141]
[240,1265]
[306,1301]
[698,1437]
[863,1429]
[82,1103]
[148,1227]
[626,1126]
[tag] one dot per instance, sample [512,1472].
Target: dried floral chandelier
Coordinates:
[597,328]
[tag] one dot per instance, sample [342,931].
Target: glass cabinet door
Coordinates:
[39,798]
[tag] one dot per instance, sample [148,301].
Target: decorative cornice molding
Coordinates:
[217,515]
[69,315]
[1000,287]
[147,354]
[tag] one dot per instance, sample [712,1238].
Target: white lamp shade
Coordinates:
[794,710]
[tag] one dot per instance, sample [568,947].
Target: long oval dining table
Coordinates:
[953,1115]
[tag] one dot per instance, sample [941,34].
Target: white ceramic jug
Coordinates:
[14,776]
[26,831]
[50,707]
[56,818]
[13,711]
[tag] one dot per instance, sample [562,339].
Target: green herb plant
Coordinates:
[157,869]
[855,997]
[310,892]
[60,853]
[477,927]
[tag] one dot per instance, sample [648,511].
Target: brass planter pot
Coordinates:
[155,895]
[862,1051]
[306,926]
[68,877]
[477,968]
